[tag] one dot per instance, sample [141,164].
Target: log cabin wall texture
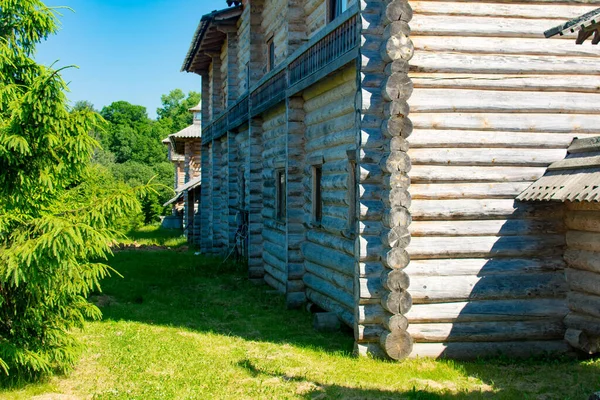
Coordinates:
[329,249]
[494,103]
[583,275]
[274,26]
[243,49]
[274,225]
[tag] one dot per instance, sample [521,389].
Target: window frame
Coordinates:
[280,194]
[335,9]
[270,54]
[317,194]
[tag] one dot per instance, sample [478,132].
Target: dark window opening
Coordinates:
[280,194]
[270,55]
[317,194]
[336,8]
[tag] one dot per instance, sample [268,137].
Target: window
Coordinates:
[280,194]
[270,55]
[317,195]
[336,8]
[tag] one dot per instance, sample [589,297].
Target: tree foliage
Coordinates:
[56,221]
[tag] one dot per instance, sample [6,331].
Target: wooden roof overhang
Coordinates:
[575,178]
[586,24]
[209,38]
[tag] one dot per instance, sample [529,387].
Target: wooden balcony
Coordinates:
[330,49]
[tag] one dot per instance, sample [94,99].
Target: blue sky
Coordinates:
[125,49]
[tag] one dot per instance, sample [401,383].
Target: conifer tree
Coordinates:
[56,222]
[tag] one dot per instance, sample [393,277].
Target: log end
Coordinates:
[397,344]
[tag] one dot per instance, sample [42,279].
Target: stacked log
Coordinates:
[381,286]
[274,231]
[494,104]
[274,26]
[328,250]
[295,218]
[256,269]
[583,276]
[206,243]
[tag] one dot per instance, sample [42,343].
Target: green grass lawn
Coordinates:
[180,326]
[153,235]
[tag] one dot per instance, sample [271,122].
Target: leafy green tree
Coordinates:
[131,135]
[174,113]
[55,219]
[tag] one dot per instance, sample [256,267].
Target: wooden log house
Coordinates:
[374,151]
[184,152]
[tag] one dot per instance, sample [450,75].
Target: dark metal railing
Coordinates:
[337,43]
[334,42]
[239,112]
[270,92]
[220,125]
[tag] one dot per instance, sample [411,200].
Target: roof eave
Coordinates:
[205,21]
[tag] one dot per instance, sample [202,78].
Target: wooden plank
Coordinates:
[438,289]
[427,173]
[487,331]
[502,64]
[486,156]
[503,45]
[484,246]
[526,10]
[485,227]
[584,303]
[494,101]
[328,289]
[584,260]
[494,310]
[583,221]
[470,350]
[491,190]
[481,209]
[585,323]
[458,25]
[330,304]
[435,138]
[483,266]
[559,123]
[583,281]
[580,240]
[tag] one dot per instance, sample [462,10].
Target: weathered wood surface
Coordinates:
[482,209]
[465,190]
[485,246]
[513,227]
[494,310]
[487,331]
[482,266]
[444,289]
[474,350]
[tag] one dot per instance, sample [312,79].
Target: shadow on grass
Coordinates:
[201,294]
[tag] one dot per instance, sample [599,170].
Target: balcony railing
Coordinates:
[338,42]
[336,45]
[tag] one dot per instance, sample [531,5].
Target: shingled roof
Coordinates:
[586,24]
[576,178]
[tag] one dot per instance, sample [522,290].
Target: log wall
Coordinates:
[243,49]
[381,295]
[191,170]
[274,26]
[206,229]
[274,228]
[494,103]
[329,249]
[316,14]
[583,276]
